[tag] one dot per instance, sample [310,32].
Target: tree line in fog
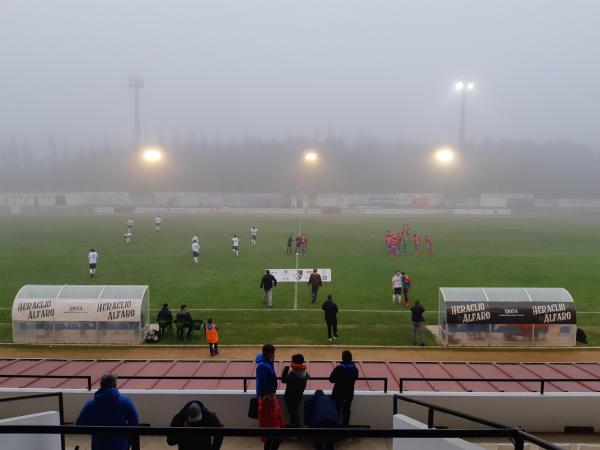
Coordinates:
[549,169]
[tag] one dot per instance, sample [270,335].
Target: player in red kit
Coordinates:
[417,243]
[429,245]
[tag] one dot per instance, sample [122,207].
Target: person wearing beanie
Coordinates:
[195,414]
[294,377]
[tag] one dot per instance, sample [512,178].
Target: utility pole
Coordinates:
[136,83]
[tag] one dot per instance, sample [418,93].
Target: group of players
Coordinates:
[235,244]
[301,245]
[397,241]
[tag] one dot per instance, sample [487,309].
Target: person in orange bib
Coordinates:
[212,337]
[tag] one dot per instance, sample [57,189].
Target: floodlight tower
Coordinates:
[463,88]
[136,83]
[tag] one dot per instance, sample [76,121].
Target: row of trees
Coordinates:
[551,169]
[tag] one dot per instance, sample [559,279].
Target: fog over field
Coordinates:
[234,91]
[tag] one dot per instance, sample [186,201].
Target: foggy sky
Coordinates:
[272,68]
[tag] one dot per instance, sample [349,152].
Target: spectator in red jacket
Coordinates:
[270,416]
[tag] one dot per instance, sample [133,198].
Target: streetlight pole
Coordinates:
[136,83]
[463,87]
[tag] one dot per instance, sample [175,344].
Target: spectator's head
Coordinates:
[329,297]
[194,413]
[298,358]
[108,381]
[268,351]
[183,306]
[165,305]
[347,356]
[267,271]
[417,302]
[209,321]
[315,270]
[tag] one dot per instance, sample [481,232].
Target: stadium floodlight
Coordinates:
[311,156]
[463,87]
[152,155]
[444,155]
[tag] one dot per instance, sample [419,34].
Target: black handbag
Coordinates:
[253,408]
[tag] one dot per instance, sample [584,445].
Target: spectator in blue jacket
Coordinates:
[343,378]
[320,412]
[266,379]
[108,408]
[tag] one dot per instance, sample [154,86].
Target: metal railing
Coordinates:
[542,381]
[244,379]
[61,408]
[515,434]
[134,433]
[88,378]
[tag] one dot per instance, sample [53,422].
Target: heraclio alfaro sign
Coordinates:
[77,310]
[510,312]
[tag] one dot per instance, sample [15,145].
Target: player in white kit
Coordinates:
[129,225]
[253,232]
[195,251]
[157,221]
[235,245]
[92,260]
[127,236]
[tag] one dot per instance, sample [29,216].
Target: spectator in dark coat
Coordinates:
[267,283]
[320,412]
[266,379]
[343,378]
[164,318]
[331,311]
[295,380]
[108,408]
[195,414]
[183,315]
[416,317]
[315,282]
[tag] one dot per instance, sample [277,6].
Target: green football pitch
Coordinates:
[469,251]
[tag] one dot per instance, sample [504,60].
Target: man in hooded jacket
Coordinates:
[108,408]
[195,414]
[266,379]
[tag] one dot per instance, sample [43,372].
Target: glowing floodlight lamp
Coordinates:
[152,155]
[463,86]
[311,156]
[444,155]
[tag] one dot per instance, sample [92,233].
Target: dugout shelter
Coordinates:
[71,314]
[481,316]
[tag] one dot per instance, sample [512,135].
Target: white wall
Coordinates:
[406,423]
[31,441]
